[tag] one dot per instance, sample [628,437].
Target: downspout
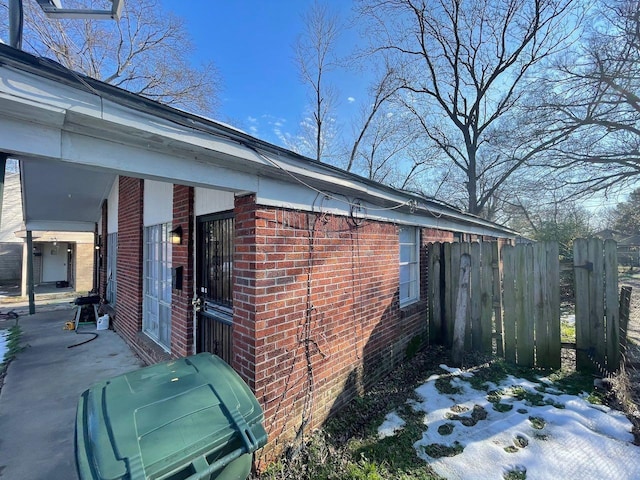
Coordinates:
[16,21]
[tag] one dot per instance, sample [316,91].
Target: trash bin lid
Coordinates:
[181,415]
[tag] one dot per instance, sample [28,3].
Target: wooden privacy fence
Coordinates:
[513,301]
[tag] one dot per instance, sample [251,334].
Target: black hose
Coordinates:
[95,335]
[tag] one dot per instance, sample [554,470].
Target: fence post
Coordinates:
[462,303]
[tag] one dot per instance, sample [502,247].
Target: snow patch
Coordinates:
[392,424]
[547,442]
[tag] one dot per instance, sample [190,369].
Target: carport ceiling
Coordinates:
[61,197]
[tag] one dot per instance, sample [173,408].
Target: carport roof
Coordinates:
[59,196]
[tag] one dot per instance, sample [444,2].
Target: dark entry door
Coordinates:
[215,284]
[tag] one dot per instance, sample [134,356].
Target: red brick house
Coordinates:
[310,281]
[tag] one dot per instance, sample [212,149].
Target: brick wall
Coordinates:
[316,313]
[128,321]
[182,255]
[84,259]
[102,273]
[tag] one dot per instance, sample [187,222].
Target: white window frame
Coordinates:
[156,308]
[409,270]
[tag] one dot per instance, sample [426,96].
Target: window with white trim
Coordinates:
[409,265]
[156,309]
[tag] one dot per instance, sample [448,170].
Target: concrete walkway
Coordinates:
[41,389]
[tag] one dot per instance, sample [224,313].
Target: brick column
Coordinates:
[182,323]
[130,262]
[244,290]
[102,273]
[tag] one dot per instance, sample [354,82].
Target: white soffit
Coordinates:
[62,197]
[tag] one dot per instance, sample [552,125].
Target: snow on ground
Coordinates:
[3,344]
[567,437]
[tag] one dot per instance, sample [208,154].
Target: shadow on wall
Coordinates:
[387,347]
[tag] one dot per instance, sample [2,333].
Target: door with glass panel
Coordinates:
[156,311]
[215,284]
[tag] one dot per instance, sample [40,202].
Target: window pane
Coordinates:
[405,273]
[409,265]
[404,291]
[407,235]
[407,253]
[156,317]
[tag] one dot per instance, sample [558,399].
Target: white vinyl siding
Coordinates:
[409,265]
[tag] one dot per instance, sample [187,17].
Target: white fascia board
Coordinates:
[32,111]
[279,194]
[144,163]
[26,138]
[127,125]
[385,200]
[29,89]
[57,105]
[58,226]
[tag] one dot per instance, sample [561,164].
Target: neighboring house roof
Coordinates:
[632,241]
[100,112]
[608,234]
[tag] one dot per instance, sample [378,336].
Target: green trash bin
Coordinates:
[192,418]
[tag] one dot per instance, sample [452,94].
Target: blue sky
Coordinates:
[251,43]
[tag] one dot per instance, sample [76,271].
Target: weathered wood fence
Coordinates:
[513,301]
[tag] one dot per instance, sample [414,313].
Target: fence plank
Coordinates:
[447,331]
[462,306]
[525,320]
[612,306]
[497,272]
[476,293]
[435,305]
[454,271]
[465,249]
[486,296]
[540,304]
[509,300]
[596,290]
[553,301]
[583,332]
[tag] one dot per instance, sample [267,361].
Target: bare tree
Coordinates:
[145,52]
[597,93]
[465,68]
[315,58]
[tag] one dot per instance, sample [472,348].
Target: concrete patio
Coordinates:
[41,389]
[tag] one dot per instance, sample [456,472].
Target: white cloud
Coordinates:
[351,99]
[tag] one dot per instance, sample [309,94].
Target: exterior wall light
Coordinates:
[176,235]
